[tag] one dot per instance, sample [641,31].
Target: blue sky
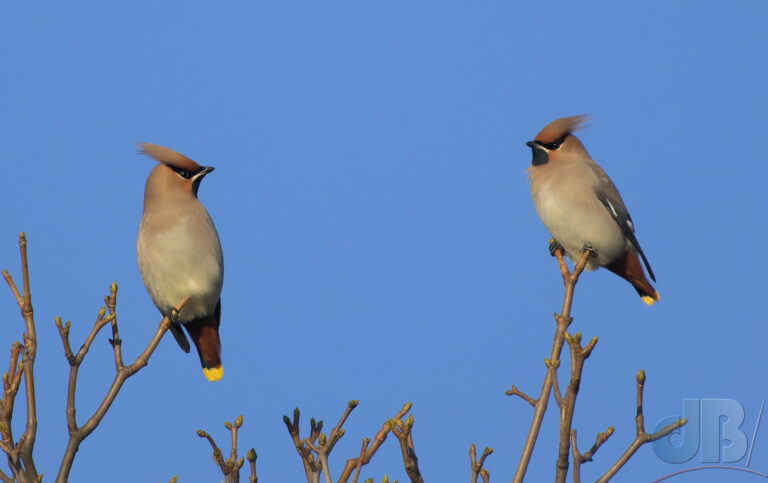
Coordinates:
[379,238]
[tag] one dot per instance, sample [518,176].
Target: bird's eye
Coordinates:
[555,145]
[183,172]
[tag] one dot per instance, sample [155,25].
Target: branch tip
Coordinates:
[640,377]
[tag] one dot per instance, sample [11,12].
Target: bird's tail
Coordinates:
[205,335]
[630,269]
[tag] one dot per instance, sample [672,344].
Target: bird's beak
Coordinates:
[540,155]
[206,170]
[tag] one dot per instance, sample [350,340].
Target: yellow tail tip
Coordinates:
[650,299]
[213,374]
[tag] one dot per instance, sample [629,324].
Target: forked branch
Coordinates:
[477,465]
[579,459]
[230,467]
[641,437]
[315,450]
[78,433]
[19,454]
[563,320]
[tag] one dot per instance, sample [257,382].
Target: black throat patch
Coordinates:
[540,156]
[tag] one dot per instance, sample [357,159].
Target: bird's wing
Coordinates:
[609,196]
[178,334]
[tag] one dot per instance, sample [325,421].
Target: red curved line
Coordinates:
[713,467]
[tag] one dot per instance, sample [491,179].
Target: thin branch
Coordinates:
[402,431]
[20,457]
[323,448]
[311,468]
[579,459]
[117,343]
[578,355]
[217,457]
[563,320]
[230,467]
[337,432]
[477,465]
[378,439]
[252,460]
[517,392]
[641,437]
[322,456]
[78,434]
[359,463]
[555,385]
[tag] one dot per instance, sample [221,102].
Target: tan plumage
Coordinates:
[580,205]
[179,253]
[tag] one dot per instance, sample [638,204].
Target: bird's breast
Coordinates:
[181,256]
[574,216]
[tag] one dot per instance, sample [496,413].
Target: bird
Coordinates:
[581,207]
[179,254]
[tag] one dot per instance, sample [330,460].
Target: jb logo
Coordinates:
[714,430]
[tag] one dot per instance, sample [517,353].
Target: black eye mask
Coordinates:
[554,145]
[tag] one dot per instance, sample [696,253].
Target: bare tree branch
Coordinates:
[402,431]
[230,467]
[311,467]
[578,355]
[315,450]
[563,320]
[579,459]
[78,434]
[20,459]
[641,436]
[477,465]
[252,460]
[359,463]
[378,439]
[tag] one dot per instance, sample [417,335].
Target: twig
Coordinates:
[78,434]
[323,447]
[563,320]
[359,463]
[579,459]
[217,456]
[378,439]
[252,460]
[568,404]
[20,457]
[641,437]
[514,391]
[311,467]
[477,465]
[230,467]
[402,431]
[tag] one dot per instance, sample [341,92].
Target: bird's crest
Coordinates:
[168,156]
[560,127]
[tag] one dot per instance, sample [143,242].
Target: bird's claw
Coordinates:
[554,246]
[173,315]
[588,248]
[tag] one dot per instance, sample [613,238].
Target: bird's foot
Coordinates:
[173,315]
[555,246]
[588,248]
